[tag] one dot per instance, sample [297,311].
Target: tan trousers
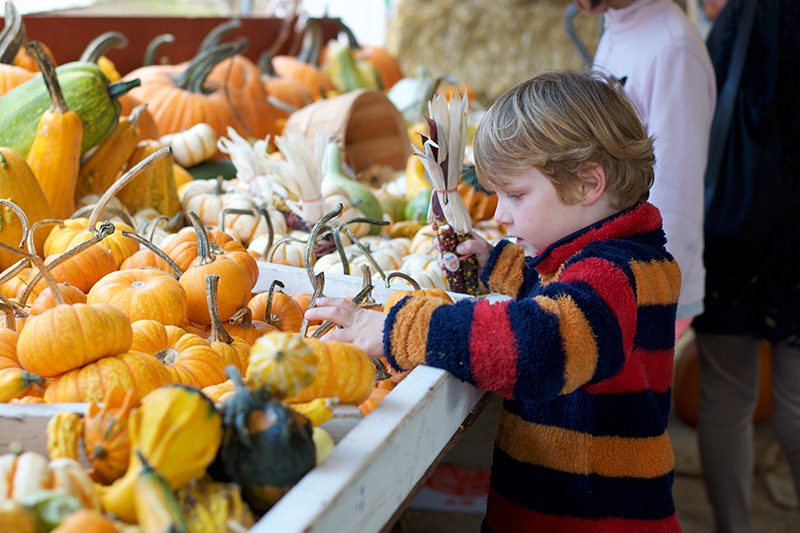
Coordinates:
[728,367]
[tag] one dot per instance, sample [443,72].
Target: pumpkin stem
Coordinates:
[217,34]
[101,44]
[203,249]
[136,112]
[118,88]
[106,229]
[152,46]
[156,250]
[200,67]
[22,218]
[48,70]
[268,317]
[218,332]
[285,238]
[111,211]
[8,310]
[236,377]
[313,37]
[245,314]
[126,178]
[232,211]
[411,281]
[270,229]
[154,226]
[265,65]
[312,239]
[13,35]
[99,452]
[326,326]
[319,284]
[365,250]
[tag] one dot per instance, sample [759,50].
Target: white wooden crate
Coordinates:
[378,462]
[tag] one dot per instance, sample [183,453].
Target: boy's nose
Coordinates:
[500,216]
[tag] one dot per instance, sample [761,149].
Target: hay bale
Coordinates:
[489,46]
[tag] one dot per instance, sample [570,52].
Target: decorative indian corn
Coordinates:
[443,157]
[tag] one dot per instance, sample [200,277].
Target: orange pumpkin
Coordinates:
[242,325]
[385,63]
[481,205]
[86,521]
[398,295]
[277,309]
[142,293]
[220,392]
[686,385]
[310,76]
[90,383]
[105,434]
[235,282]
[45,300]
[286,90]
[189,359]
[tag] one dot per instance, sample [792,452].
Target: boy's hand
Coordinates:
[359,326]
[477,246]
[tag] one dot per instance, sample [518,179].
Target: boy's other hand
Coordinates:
[476,245]
[359,326]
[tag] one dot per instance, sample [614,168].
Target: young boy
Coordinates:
[582,353]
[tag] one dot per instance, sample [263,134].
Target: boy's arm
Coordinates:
[573,332]
[505,271]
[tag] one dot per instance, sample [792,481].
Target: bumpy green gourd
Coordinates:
[86,90]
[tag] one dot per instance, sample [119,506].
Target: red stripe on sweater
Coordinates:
[504,516]
[493,352]
[644,370]
[613,287]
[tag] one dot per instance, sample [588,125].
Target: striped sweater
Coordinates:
[583,356]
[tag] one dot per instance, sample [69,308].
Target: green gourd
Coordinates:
[266,446]
[361,195]
[86,90]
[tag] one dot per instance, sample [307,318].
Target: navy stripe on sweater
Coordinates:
[577,495]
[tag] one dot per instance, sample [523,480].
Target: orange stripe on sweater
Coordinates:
[409,336]
[578,340]
[580,453]
[657,282]
[508,272]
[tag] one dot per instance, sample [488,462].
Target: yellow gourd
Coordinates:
[55,153]
[282,363]
[63,435]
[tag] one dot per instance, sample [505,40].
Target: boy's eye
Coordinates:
[513,195]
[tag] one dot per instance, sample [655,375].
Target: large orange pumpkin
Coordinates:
[142,293]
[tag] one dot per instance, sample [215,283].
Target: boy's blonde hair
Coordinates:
[562,122]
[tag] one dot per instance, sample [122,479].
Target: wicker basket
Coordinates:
[368,127]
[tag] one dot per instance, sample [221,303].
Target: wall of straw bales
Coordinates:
[488,45]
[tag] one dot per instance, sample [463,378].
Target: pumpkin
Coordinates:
[277,308]
[376,396]
[105,434]
[242,325]
[12,287]
[686,386]
[16,517]
[9,364]
[217,102]
[235,281]
[211,506]
[398,295]
[21,476]
[310,76]
[481,205]
[385,63]
[63,434]
[281,363]
[14,72]
[67,337]
[45,300]
[55,152]
[219,392]
[165,430]
[192,146]
[142,293]
[93,53]
[85,521]
[290,92]
[259,429]
[343,370]
[90,383]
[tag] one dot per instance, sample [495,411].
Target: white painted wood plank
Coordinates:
[27,424]
[379,462]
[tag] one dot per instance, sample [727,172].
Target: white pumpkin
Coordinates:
[25,474]
[192,146]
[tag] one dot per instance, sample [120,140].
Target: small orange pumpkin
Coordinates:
[142,293]
[105,434]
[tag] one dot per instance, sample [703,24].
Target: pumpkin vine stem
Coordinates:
[193,78]
[118,88]
[106,229]
[22,218]
[48,70]
[319,285]
[152,46]
[218,332]
[102,44]
[217,34]
[126,178]
[270,229]
[109,210]
[337,239]
[203,248]
[365,250]
[411,281]
[275,320]
[156,250]
[231,211]
[154,226]
[312,238]
[13,36]
[37,262]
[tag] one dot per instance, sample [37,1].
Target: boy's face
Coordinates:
[532,212]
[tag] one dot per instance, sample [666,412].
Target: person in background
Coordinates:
[582,350]
[752,254]
[662,60]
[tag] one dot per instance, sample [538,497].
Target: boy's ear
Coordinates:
[592,184]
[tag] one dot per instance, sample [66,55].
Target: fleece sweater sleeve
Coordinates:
[568,333]
[505,271]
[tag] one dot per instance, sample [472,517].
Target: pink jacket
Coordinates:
[663,60]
